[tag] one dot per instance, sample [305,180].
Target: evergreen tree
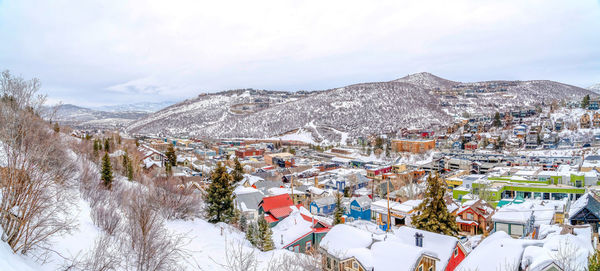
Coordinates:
[171,155]
[586,101]
[238,171]
[127,166]
[125,159]
[497,121]
[96,148]
[119,139]
[106,145]
[168,168]
[292,151]
[243,223]
[251,233]
[339,209]
[594,261]
[219,196]
[432,213]
[265,235]
[130,171]
[106,173]
[379,143]
[56,127]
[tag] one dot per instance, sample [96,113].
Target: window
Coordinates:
[328,262]
[430,268]
[502,227]
[420,267]
[516,230]
[308,245]
[469,216]
[455,252]
[291,248]
[355,265]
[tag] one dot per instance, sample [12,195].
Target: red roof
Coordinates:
[270,218]
[273,202]
[281,212]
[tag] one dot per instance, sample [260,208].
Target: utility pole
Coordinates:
[292,181]
[388,208]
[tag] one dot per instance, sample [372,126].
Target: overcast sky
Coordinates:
[115,51]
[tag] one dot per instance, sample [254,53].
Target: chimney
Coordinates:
[419,239]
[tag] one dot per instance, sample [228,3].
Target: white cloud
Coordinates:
[148,50]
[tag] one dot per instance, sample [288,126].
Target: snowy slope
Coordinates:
[409,102]
[595,88]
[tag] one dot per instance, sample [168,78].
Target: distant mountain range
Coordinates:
[107,117]
[135,107]
[420,100]
[595,88]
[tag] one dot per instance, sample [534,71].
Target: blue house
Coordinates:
[594,104]
[360,208]
[323,206]
[457,145]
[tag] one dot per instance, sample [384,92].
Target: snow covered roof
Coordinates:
[337,243]
[329,200]
[290,228]
[498,251]
[377,252]
[404,207]
[587,200]
[442,245]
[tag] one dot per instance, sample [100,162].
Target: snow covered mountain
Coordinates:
[420,100]
[135,107]
[81,117]
[595,88]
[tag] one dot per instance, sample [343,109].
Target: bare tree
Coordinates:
[310,261]
[566,256]
[151,244]
[239,259]
[103,257]
[35,200]
[175,199]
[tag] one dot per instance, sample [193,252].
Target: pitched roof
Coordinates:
[442,245]
[278,201]
[280,212]
[588,201]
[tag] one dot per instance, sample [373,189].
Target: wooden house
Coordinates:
[584,121]
[365,252]
[474,217]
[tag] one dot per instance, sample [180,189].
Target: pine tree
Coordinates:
[56,127]
[339,209]
[238,171]
[127,166]
[106,145]
[171,155]
[594,261]
[251,234]
[168,168]
[432,213]
[219,196]
[106,173]
[96,148]
[265,235]
[586,101]
[497,121]
[130,171]
[243,222]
